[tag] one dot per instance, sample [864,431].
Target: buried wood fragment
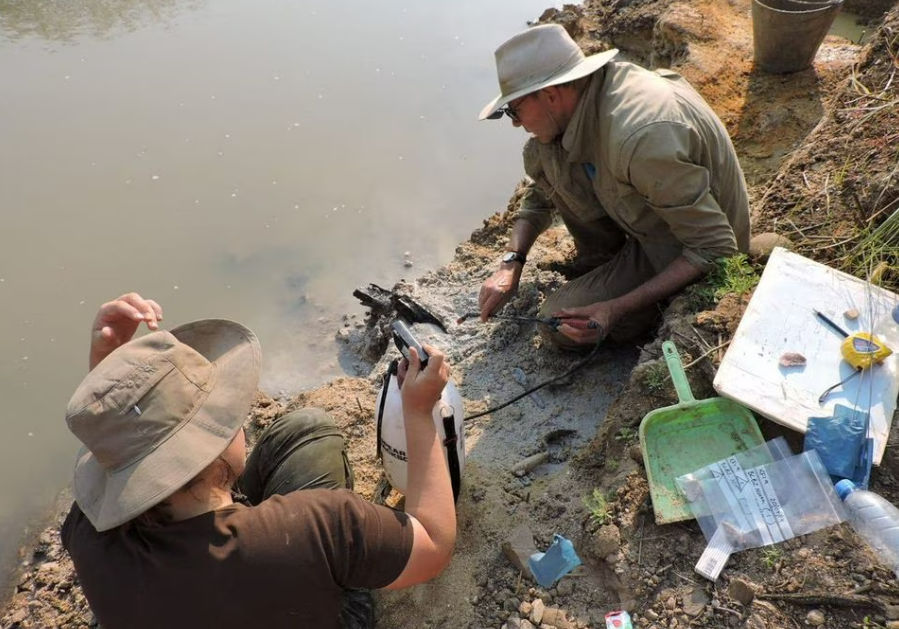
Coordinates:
[822,598]
[526,465]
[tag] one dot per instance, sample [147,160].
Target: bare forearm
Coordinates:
[677,275]
[429,494]
[522,236]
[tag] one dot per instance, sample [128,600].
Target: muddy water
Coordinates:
[851,27]
[248,160]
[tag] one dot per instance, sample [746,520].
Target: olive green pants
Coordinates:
[301,450]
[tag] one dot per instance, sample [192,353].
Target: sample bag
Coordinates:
[758,497]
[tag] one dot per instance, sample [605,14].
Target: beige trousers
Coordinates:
[626,270]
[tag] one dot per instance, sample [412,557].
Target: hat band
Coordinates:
[568,64]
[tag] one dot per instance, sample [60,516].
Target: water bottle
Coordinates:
[875,519]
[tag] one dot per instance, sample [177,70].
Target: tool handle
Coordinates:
[403,338]
[833,326]
[678,375]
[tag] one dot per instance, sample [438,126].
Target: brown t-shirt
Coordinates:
[283,563]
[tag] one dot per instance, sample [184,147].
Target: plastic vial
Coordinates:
[875,519]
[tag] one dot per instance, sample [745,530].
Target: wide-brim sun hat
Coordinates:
[156,411]
[539,57]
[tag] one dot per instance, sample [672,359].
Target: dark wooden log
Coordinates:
[387,303]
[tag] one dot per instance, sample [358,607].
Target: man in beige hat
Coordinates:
[638,166]
[157,537]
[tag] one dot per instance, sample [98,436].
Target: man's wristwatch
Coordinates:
[514,256]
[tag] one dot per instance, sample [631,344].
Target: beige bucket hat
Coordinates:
[156,411]
[541,56]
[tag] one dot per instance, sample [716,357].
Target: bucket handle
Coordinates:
[676,369]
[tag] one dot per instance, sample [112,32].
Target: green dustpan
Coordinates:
[680,439]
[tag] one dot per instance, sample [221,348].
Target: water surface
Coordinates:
[249,160]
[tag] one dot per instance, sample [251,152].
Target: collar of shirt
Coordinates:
[580,138]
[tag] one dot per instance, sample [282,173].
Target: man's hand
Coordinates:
[421,389]
[117,321]
[498,289]
[587,325]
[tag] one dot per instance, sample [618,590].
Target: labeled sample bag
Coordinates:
[758,497]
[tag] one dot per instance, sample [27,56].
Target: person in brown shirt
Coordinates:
[156,534]
[638,166]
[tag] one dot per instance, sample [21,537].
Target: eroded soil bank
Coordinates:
[818,151]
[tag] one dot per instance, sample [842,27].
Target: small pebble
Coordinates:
[815,618]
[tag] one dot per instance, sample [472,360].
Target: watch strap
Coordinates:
[514,256]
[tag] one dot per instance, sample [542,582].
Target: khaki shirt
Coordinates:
[643,157]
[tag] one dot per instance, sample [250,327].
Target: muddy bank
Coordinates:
[794,134]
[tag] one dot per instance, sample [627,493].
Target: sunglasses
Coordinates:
[509,110]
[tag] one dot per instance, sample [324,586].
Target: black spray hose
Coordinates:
[391,369]
[581,363]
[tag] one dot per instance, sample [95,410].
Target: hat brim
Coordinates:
[110,498]
[588,66]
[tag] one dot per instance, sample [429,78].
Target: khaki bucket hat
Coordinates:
[536,58]
[156,411]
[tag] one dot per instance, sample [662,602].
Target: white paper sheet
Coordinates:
[780,319]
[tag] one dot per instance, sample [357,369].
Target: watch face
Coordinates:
[513,256]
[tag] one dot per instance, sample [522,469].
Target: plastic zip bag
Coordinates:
[756,498]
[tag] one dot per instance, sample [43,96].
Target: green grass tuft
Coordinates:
[598,506]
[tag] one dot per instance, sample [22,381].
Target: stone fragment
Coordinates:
[555,617]
[695,601]
[536,615]
[741,591]
[815,618]
[519,546]
[761,245]
[792,359]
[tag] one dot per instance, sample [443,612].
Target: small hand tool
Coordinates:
[860,349]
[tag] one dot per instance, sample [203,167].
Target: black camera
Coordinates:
[404,340]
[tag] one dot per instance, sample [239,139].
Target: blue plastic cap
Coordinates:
[844,488]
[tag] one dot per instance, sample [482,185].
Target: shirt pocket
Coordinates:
[573,188]
[630,210]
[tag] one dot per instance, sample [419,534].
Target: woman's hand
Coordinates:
[421,389]
[117,321]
